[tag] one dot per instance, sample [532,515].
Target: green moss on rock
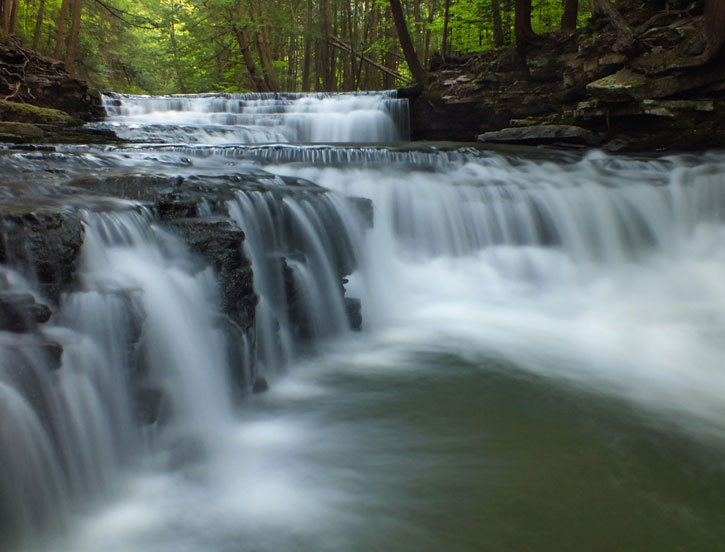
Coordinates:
[26,113]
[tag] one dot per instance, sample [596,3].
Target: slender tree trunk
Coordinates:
[13,17]
[38,24]
[416,69]
[418,41]
[6,8]
[522,25]
[497,25]
[446,20]
[327,81]
[62,22]
[175,49]
[568,18]
[256,80]
[308,48]
[264,54]
[431,17]
[70,54]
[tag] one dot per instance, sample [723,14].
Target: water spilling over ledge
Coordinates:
[451,336]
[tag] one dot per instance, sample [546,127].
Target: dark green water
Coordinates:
[445,454]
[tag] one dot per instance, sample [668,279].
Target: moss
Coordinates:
[26,113]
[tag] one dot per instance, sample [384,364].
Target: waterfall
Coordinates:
[259,118]
[150,290]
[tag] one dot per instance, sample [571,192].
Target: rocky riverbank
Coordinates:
[577,89]
[41,103]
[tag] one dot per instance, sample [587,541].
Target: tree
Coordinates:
[568,18]
[70,54]
[416,69]
[62,22]
[523,31]
[497,25]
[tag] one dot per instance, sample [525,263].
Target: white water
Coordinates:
[258,118]
[599,275]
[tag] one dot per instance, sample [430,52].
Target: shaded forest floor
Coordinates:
[582,88]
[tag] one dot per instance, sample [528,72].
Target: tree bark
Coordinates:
[13,17]
[70,54]
[256,80]
[308,48]
[446,20]
[38,24]
[497,25]
[522,26]
[568,18]
[411,58]
[265,56]
[327,81]
[62,22]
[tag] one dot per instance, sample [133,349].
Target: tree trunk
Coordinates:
[265,56]
[62,22]
[625,35]
[6,8]
[416,69]
[13,17]
[522,26]
[568,18]
[431,16]
[38,24]
[308,48]
[256,80]
[70,54]
[327,81]
[497,25]
[446,19]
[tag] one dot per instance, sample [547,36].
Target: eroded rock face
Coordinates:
[652,97]
[40,81]
[219,241]
[43,243]
[543,134]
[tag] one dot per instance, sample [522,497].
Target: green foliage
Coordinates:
[185,46]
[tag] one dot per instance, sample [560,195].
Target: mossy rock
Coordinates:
[26,113]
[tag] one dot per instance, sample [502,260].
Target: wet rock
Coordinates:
[541,134]
[148,404]
[364,207]
[354,312]
[260,385]
[43,243]
[219,241]
[19,312]
[626,84]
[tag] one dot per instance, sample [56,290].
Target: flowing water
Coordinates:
[539,368]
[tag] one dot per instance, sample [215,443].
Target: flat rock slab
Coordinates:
[543,134]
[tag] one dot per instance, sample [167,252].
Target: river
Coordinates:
[538,366]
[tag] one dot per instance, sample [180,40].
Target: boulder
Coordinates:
[543,134]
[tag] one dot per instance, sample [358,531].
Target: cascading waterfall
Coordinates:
[259,118]
[534,324]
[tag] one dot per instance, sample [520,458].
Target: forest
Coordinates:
[164,46]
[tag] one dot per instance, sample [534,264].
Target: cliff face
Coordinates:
[583,91]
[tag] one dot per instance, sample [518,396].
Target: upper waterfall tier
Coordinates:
[259,118]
